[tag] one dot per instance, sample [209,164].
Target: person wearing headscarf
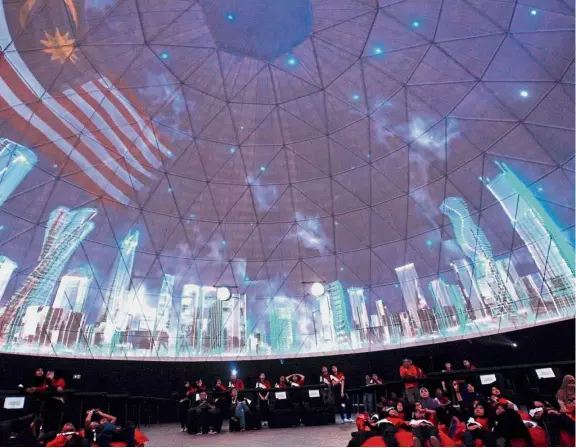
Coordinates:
[565,396]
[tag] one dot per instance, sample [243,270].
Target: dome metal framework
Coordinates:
[414,158]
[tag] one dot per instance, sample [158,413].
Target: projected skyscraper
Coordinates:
[360,321]
[551,251]
[189,326]
[115,302]
[165,319]
[476,246]
[16,161]
[414,299]
[282,332]
[450,306]
[65,230]
[234,323]
[7,268]
[73,290]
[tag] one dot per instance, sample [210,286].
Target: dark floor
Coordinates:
[331,435]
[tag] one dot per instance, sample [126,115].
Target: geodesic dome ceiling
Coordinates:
[414,158]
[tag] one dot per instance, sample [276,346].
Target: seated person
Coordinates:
[424,430]
[429,414]
[427,401]
[479,427]
[496,397]
[508,425]
[553,421]
[204,417]
[68,436]
[102,429]
[238,410]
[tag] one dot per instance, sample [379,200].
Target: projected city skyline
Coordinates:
[415,159]
[50,310]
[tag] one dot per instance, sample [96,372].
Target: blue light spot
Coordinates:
[232,150]
[341,269]
[355,97]
[230,17]
[429,243]
[192,216]
[262,168]
[540,189]
[169,190]
[396,285]
[368,156]
[378,50]
[247,278]
[524,93]
[1,227]
[55,166]
[480,178]
[223,243]
[415,24]
[533,12]
[164,55]
[291,61]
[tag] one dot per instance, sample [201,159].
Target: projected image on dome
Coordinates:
[206,180]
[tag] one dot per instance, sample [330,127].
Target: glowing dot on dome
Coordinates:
[480,178]
[317,289]
[291,61]
[241,127]
[247,278]
[55,166]
[378,50]
[164,55]
[169,190]
[429,243]
[224,243]
[415,24]
[341,269]
[192,216]
[540,189]
[524,93]
[396,285]
[230,17]
[533,12]
[262,168]
[223,293]
[355,97]
[1,227]
[232,150]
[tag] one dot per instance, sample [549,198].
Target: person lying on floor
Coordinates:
[424,430]
[102,429]
[204,416]
[68,436]
[508,425]
[479,426]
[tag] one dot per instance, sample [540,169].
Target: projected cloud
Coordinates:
[414,157]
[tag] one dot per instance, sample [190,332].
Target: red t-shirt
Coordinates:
[237,383]
[340,376]
[410,371]
[283,385]
[221,387]
[264,383]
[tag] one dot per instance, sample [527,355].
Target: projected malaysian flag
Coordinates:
[94,125]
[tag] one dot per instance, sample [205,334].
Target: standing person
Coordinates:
[200,386]
[565,396]
[295,379]
[338,380]
[54,404]
[281,384]
[184,405]
[264,397]
[409,371]
[467,365]
[219,387]
[235,382]
[370,380]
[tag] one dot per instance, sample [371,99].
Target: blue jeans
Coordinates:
[240,412]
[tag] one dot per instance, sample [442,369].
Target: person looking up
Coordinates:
[281,384]
[325,376]
[566,397]
[238,409]
[235,382]
[264,397]
[200,386]
[508,425]
[479,427]
[338,380]
[409,371]
[37,382]
[467,365]
[219,387]
[295,379]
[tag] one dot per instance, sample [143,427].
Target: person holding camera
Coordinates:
[103,429]
[204,416]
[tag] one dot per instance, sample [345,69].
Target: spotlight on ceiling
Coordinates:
[317,289]
[223,293]
[514,344]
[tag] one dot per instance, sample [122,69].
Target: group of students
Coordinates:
[201,414]
[494,420]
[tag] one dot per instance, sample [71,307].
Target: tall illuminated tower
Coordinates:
[16,161]
[414,299]
[450,304]
[165,317]
[385,322]
[551,251]
[475,306]
[116,301]
[340,312]
[360,322]
[476,246]
[73,290]
[189,325]
[234,323]
[7,268]
[65,230]
[282,331]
